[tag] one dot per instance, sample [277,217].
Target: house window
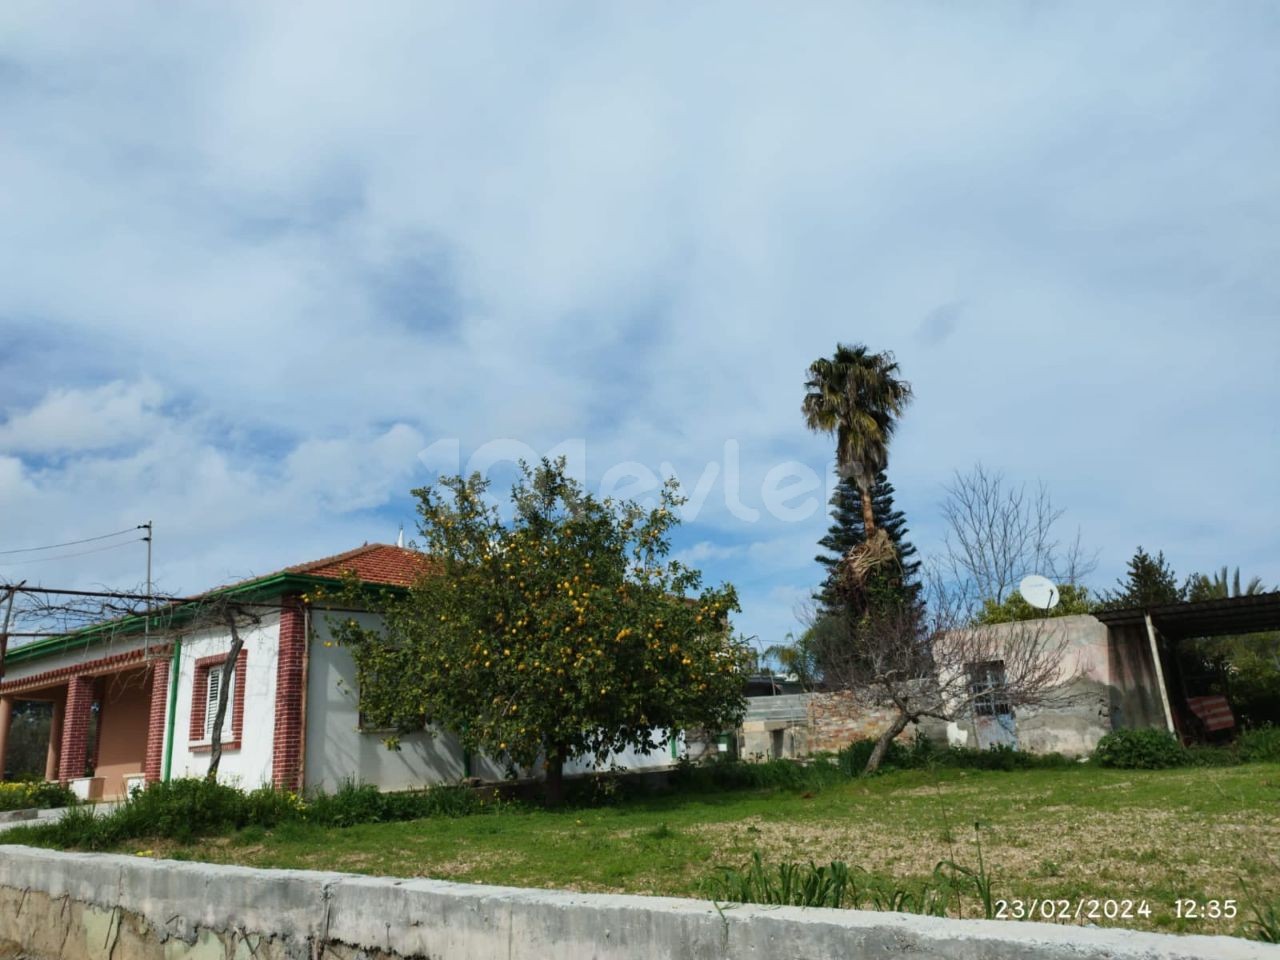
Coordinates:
[206,688]
[988,689]
[212,690]
[399,725]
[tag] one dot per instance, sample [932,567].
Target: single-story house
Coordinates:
[132,708]
[1126,668]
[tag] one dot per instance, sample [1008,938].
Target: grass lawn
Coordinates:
[1088,832]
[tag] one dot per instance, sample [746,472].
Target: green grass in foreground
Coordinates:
[1073,833]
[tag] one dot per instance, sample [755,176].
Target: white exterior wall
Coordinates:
[337,750]
[250,765]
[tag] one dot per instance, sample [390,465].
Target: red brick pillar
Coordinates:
[286,757]
[6,714]
[151,767]
[75,729]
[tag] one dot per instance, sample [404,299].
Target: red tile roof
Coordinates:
[372,563]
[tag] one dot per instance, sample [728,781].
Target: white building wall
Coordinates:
[250,765]
[337,750]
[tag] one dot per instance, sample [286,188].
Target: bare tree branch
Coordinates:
[931,662]
[998,533]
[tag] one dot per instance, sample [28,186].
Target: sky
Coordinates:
[263,271]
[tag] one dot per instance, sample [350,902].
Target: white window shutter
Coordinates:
[211,703]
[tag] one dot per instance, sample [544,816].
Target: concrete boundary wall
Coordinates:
[82,906]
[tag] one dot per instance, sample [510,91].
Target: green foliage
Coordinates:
[1260,746]
[1264,922]
[1072,600]
[29,727]
[837,885]
[565,632]
[856,396]
[1147,749]
[848,530]
[719,775]
[1149,582]
[1244,668]
[794,657]
[853,758]
[1221,585]
[185,810]
[24,794]
[356,803]
[924,753]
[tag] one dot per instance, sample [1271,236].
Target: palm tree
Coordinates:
[857,396]
[1221,586]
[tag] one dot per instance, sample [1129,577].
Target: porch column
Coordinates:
[156,720]
[75,729]
[290,724]
[6,714]
[55,740]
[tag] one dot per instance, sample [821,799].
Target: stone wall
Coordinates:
[798,725]
[104,906]
[837,719]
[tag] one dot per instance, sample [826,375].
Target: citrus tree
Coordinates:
[567,631]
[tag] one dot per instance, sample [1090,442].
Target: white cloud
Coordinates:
[240,296]
[70,420]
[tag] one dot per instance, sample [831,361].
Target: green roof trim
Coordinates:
[274,585]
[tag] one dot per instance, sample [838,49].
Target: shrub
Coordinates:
[352,803]
[363,803]
[1203,755]
[268,807]
[179,810]
[184,810]
[1148,749]
[924,753]
[24,794]
[740,775]
[853,758]
[1260,745]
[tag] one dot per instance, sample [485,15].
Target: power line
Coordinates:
[212,598]
[68,556]
[70,543]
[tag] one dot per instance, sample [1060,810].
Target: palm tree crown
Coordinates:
[857,396]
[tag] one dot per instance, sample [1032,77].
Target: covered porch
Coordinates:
[106,722]
[1196,706]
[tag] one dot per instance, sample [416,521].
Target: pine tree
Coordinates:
[848,530]
[1149,582]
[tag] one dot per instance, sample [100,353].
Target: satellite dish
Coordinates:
[1039,591]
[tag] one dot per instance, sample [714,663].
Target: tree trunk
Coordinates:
[868,516]
[899,724]
[554,791]
[228,671]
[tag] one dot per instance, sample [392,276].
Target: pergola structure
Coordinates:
[1171,623]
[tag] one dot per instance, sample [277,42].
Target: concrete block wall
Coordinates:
[101,906]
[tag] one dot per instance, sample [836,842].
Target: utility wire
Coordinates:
[67,556]
[69,543]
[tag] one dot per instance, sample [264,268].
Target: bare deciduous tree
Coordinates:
[997,533]
[931,663]
[231,614]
